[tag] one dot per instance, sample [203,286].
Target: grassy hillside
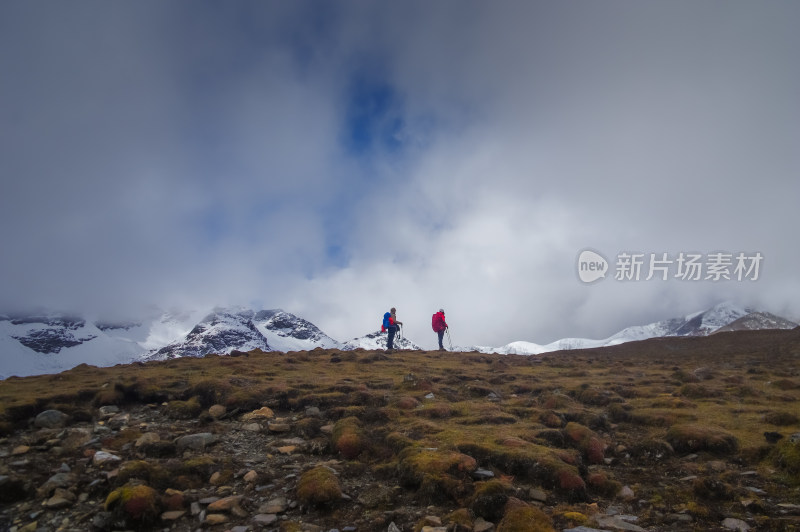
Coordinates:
[669,430]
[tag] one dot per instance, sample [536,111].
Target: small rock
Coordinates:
[618,522]
[197,442]
[626,493]
[20,449]
[173,515]
[537,494]
[251,477]
[251,427]
[56,502]
[215,519]
[482,474]
[274,506]
[261,413]
[225,504]
[217,411]
[51,419]
[717,465]
[265,519]
[119,421]
[108,411]
[101,458]
[482,525]
[279,427]
[735,524]
[147,438]
[313,411]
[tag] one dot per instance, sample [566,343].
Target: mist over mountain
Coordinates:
[42,342]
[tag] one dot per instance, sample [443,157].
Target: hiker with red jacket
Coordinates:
[439,326]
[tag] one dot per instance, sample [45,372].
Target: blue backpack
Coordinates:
[386,321]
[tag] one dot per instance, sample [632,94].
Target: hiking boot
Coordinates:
[389,351]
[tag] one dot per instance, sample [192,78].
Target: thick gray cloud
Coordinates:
[342,160]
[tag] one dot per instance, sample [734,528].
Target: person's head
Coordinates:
[393,310]
[441,310]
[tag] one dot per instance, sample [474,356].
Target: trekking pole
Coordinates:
[449,340]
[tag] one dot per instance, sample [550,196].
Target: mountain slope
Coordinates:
[757,321]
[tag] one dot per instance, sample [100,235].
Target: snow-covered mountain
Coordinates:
[225,330]
[36,344]
[51,342]
[701,323]
[377,340]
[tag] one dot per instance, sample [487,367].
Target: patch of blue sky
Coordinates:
[374,118]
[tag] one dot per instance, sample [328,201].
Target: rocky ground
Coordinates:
[581,441]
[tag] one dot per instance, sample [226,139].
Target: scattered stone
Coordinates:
[261,413]
[274,506]
[226,504]
[215,519]
[251,477]
[537,494]
[252,427]
[217,411]
[618,522]
[265,519]
[482,525]
[102,458]
[119,421]
[626,493]
[482,474]
[717,465]
[173,515]
[147,438]
[196,442]
[20,449]
[735,524]
[108,411]
[51,419]
[279,427]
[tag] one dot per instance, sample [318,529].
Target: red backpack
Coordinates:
[437,322]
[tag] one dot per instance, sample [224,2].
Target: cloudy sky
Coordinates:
[338,158]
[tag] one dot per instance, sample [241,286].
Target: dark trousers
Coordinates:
[441,336]
[390,340]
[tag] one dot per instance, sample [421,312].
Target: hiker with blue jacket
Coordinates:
[391,324]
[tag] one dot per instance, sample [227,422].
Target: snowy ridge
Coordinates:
[287,332]
[700,323]
[222,331]
[377,340]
